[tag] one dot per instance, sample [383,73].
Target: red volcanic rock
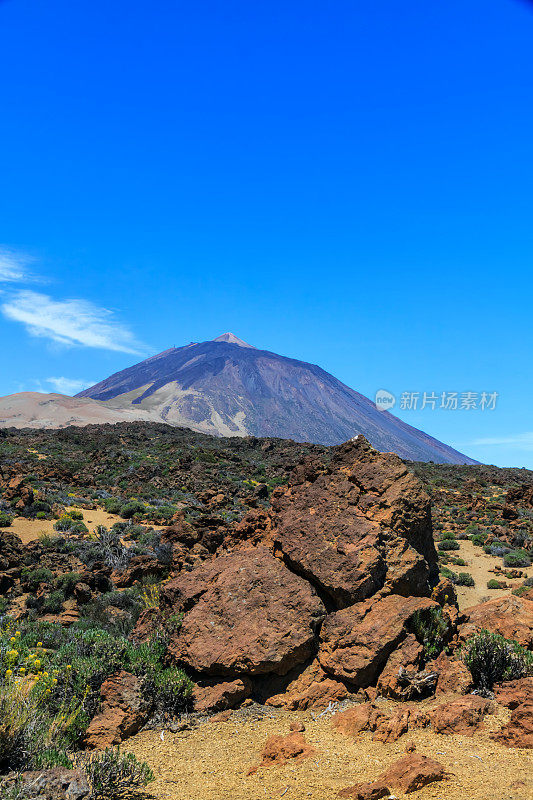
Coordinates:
[364,717]
[391,729]
[464,716]
[520,496]
[366,791]
[124,711]
[408,654]
[312,688]
[510,616]
[514,693]
[245,613]
[357,641]
[363,524]
[386,727]
[280,749]
[412,772]
[453,675]
[211,696]
[519,730]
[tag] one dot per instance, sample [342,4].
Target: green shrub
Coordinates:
[449,544]
[431,628]
[33,578]
[517,558]
[494,584]
[113,775]
[465,579]
[66,582]
[132,508]
[478,539]
[490,659]
[448,573]
[5,519]
[53,602]
[40,515]
[112,505]
[75,514]
[459,562]
[447,535]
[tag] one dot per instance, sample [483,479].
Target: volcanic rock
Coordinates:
[311,688]
[408,654]
[462,716]
[514,693]
[124,710]
[49,784]
[246,613]
[510,616]
[280,749]
[412,772]
[519,730]
[220,696]
[357,641]
[366,791]
[362,525]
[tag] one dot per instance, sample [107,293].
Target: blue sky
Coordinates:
[346,183]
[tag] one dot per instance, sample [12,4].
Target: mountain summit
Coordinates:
[227,387]
[232,339]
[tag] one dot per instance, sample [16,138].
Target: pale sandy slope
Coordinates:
[37,410]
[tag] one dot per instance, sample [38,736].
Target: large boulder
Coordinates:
[245,614]
[359,525]
[357,641]
[510,616]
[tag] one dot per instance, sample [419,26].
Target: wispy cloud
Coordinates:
[69,386]
[521,441]
[14,267]
[70,322]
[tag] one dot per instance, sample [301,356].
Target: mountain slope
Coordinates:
[227,387]
[39,410]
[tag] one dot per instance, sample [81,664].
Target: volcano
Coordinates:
[227,387]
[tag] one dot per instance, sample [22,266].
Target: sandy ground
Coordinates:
[478,565]
[31,529]
[211,761]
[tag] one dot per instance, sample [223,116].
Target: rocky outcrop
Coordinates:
[412,772]
[359,526]
[357,641]
[510,616]
[124,710]
[246,614]
[462,716]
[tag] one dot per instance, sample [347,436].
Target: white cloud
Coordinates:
[70,386]
[70,322]
[521,441]
[13,267]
